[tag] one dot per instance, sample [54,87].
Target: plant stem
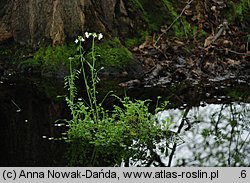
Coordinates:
[71,96]
[94,77]
[85,78]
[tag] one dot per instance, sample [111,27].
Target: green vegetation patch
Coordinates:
[48,59]
[238,12]
[112,54]
[154,14]
[157,16]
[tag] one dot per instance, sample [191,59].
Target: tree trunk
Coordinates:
[31,22]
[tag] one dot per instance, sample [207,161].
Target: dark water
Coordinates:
[28,111]
[219,114]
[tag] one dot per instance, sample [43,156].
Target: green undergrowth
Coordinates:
[239,12]
[48,59]
[161,13]
[112,54]
[138,39]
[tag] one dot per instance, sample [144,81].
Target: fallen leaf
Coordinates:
[208,41]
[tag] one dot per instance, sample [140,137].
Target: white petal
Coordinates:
[87,34]
[100,36]
[76,41]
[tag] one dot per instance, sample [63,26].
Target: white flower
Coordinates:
[100,36]
[76,41]
[102,68]
[82,40]
[87,34]
[94,35]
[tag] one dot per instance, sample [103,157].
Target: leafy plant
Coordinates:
[104,138]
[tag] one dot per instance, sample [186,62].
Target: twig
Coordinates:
[173,22]
[178,132]
[248,43]
[18,108]
[231,138]
[237,53]
[216,128]
[218,34]
[232,51]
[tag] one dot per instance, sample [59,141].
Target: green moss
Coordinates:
[49,59]
[136,40]
[238,12]
[159,13]
[169,5]
[112,54]
[150,12]
[138,5]
[242,9]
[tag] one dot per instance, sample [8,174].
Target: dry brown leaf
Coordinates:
[232,62]
[208,41]
[179,42]
[227,43]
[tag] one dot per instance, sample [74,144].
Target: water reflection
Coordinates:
[27,115]
[211,134]
[219,136]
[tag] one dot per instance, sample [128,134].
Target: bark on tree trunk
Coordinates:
[31,22]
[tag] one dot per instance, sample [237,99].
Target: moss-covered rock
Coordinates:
[112,54]
[116,59]
[49,61]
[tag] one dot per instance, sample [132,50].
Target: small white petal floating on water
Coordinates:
[59,124]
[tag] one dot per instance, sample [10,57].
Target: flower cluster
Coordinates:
[87,35]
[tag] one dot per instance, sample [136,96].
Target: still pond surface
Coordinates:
[215,129]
